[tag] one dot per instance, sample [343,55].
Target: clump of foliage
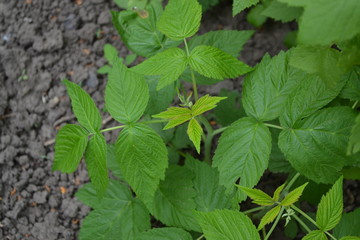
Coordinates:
[297,114]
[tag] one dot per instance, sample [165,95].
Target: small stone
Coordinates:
[54,101]
[92,81]
[40,197]
[69,208]
[53,202]
[104,17]
[87,32]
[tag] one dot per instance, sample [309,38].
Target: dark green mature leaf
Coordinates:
[277,162]
[168,233]
[352,88]
[84,107]
[293,196]
[194,132]
[239,154]
[315,235]
[354,141]
[170,64]
[301,145]
[126,94]
[95,158]
[111,162]
[209,194]
[174,201]
[254,17]
[240,5]
[70,145]
[226,224]
[229,41]
[139,34]
[181,19]
[348,225]
[215,63]
[207,4]
[281,11]
[350,238]
[142,157]
[229,110]
[330,207]
[116,216]
[258,196]
[269,217]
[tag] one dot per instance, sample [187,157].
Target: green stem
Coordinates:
[196,96]
[273,126]
[304,214]
[253,210]
[113,128]
[207,125]
[302,223]
[292,181]
[331,236]
[355,104]
[207,139]
[154,121]
[275,223]
[218,131]
[201,237]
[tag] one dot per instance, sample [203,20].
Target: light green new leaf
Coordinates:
[70,145]
[243,152]
[180,19]
[240,5]
[210,195]
[354,141]
[293,196]
[174,201]
[348,225]
[330,207]
[170,64]
[258,196]
[110,53]
[83,107]
[126,94]
[321,163]
[142,157]
[278,192]
[215,63]
[95,159]
[269,217]
[227,224]
[168,233]
[352,88]
[116,216]
[281,11]
[204,104]
[175,115]
[315,235]
[229,41]
[194,132]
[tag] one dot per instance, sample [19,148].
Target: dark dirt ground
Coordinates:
[48,40]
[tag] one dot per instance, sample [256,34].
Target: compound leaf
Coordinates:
[239,156]
[304,145]
[293,196]
[269,217]
[227,224]
[175,115]
[181,19]
[354,141]
[142,157]
[330,207]
[315,235]
[168,233]
[204,104]
[277,193]
[70,145]
[95,159]
[194,132]
[240,5]
[126,94]
[352,88]
[84,107]
[258,196]
[215,63]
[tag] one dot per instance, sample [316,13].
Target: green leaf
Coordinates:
[227,224]
[83,107]
[258,196]
[168,233]
[95,159]
[282,12]
[181,19]
[229,110]
[116,215]
[350,238]
[352,88]
[129,59]
[327,22]
[111,162]
[194,132]
[174,201]
[315,235]
[278,192]
[354,141]
[204,104]
[240,5]
[140,34]
[142,157]
[210,195]
[104,69]
[269,217]
[214,63]
[70,145]
[126,94]
[229,41]
[330,207]
[207,4]
[352,173]
[319,162]
[175,115]
[348,225]
[170,64]
[255,17]
[293,196]
[110,53]
[239,154]
[277,162]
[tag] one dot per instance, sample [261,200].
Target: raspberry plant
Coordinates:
[298,116]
